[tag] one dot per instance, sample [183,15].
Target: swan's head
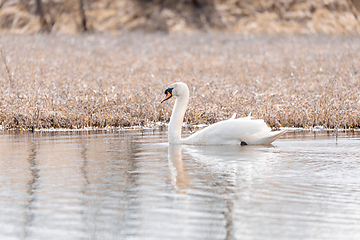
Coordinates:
[176,89]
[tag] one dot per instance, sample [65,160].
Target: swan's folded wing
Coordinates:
[234,131]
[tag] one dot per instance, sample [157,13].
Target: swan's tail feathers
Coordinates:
[233,116]
[275,135]
[249,116]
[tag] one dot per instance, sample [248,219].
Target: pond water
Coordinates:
[132,185]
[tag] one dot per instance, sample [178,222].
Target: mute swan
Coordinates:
[232,131]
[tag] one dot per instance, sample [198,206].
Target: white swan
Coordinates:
[232,131]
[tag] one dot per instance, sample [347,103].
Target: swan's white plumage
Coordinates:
[232,131]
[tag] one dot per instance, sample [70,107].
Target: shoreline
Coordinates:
[163,127]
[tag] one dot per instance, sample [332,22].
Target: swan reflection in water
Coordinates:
[179,176]
[217,181]
[230,163]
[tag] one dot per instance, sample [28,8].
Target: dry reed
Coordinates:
[118,81]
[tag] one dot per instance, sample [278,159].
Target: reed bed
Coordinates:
[59,81]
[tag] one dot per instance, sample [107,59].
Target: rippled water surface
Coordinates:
[132,185]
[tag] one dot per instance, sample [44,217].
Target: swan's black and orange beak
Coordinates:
[168,93]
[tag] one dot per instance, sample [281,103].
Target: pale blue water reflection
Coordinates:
[132,185]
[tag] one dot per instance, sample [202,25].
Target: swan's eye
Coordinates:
[169,90]
[168,93]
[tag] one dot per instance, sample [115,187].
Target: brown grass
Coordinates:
[107,81]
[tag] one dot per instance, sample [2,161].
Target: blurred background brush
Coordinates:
[356,4]
[239,16]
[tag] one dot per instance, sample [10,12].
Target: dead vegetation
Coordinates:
[234,16]
[59,81]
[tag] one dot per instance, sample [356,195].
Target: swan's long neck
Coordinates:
[177,116]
